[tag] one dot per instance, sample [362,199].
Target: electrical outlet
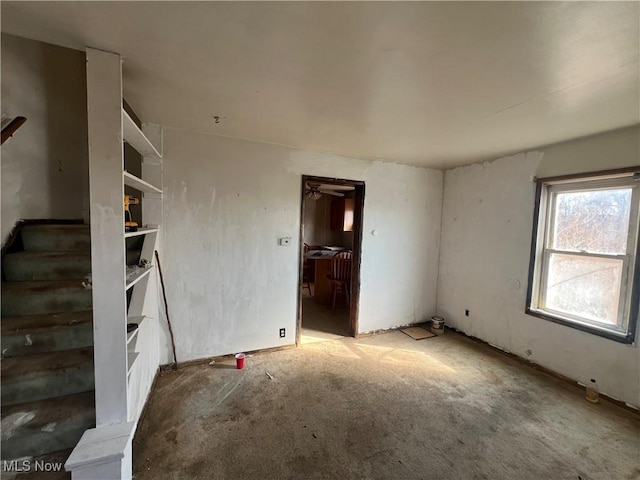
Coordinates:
[466,312]
[283,332]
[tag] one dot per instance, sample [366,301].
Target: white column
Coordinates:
[106,163]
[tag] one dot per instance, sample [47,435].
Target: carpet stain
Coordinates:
[172,436]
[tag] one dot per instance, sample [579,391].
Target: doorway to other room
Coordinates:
[330,250]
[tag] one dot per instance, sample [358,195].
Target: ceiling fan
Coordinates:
[316,190]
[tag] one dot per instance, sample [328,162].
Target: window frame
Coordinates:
[629,303]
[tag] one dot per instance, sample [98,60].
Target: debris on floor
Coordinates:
[417,333]
[269,375]
[437,325]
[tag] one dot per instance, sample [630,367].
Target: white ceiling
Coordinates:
[433,84]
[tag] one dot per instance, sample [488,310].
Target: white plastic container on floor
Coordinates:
[437,325]
[592,394]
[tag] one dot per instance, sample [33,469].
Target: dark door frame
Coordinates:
[358,214]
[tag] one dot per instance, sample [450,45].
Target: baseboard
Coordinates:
[220,358]
[543,369]
[392,329]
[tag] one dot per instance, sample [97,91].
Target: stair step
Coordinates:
[38,428]
[32,298]
[32,266]
[56,458]
[32,334]
[50,238]
[37,377]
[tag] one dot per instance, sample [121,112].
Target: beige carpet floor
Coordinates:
[381,407]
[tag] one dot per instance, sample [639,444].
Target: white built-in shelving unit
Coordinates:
[125,362]
[139,283]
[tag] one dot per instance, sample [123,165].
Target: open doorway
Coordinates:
[330,252]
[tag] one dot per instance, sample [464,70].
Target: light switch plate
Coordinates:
[284,241]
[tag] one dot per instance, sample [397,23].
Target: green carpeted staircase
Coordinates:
[47,347]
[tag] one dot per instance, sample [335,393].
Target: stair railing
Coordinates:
[10,129]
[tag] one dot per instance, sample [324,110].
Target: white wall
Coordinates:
[484,260]
[44,166]
[231,287]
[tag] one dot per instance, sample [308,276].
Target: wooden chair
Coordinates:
[307,272]
[340,276]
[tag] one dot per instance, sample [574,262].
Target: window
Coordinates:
[584,266]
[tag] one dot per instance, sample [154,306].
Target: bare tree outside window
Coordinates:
[594,221]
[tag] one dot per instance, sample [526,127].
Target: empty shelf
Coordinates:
[131,359]
[140,231]
[139,184]
[138,140]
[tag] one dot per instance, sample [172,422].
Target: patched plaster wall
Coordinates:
[45,165]
[484,261]
[227,201]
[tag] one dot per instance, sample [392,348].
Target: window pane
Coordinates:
[584,286]
[592,221]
